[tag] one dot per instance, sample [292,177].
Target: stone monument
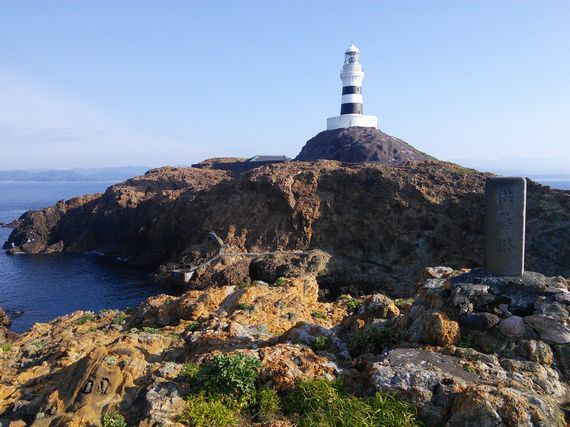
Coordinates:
[505,215]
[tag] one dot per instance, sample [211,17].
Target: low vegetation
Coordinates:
[111,419]
[226,393]
[323,403]
[192,326]
[85,318]
[319,315]
[6,347]
[321,343]
[372,339]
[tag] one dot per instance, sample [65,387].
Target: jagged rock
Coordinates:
[452,391]
[549,328]
[357,144]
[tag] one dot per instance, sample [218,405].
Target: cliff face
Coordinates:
[357,144]
[375,226]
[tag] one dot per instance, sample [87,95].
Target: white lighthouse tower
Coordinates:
[351,107]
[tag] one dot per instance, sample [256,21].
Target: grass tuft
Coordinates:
[372,339]
[321,343]
[323,403]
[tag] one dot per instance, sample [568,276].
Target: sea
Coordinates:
[39,288]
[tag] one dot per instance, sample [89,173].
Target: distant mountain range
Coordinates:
[109,174]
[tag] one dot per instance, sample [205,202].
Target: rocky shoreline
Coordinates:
[466,347]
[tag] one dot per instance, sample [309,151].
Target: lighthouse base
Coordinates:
[352,120]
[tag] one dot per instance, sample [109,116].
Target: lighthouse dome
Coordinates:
[352,48]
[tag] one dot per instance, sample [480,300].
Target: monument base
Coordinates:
[352,120]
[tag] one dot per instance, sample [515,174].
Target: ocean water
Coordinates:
[562,184]
[47,286]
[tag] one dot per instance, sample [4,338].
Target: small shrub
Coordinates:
[470,368]
[84,319]
[321,343]
[150,330]
[93,329]
[323,403]
[111,419]
[281,281]
[243,306]
[190,370]
[6,347]
[174,335]
[352,305]
[319,315]
[192,326]
[119,318]
[203,411]
[233,374]
[268,405]
[373,339]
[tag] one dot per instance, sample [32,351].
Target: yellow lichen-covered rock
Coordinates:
[285,364]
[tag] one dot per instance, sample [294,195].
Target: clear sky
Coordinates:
[107,83]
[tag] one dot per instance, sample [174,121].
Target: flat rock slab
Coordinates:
[505,217]
[549,328]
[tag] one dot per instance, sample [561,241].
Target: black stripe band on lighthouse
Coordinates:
[351,110]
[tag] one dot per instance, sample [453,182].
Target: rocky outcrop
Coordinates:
[84,365]
[359,226]
[358,144]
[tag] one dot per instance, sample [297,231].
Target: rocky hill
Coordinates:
[355,226]
[357,144]
[458,354]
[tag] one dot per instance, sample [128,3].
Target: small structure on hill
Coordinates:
[351,109]
[238,165]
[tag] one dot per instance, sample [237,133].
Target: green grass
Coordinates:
[323,403]
[243,306]
[464,343]
[192,326]
[281,281]
[321,343]
[205,411]
[6,347]
[319,315]
[150,330]
[353,305]
[190,370]
[372,339]
[111,419]
[119,318]
[268,405]
[84,319]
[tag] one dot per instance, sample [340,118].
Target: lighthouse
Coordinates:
[351,110]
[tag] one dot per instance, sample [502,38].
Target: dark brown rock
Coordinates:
[4,319]
[479,321]
[357,144]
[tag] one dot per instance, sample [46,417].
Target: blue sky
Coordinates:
[107,83]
